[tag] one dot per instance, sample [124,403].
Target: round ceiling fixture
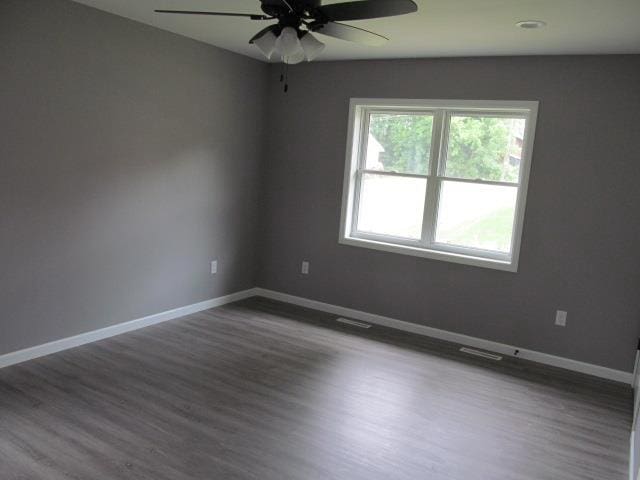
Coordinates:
[531,24]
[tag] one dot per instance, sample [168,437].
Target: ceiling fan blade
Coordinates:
[263,32]
[351,34]
[365,9]
[220,14]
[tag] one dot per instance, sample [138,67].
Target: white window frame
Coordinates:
[359,111]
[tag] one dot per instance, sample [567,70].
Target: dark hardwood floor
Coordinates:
[264,390]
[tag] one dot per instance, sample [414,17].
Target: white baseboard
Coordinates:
[88,337]
[566,363]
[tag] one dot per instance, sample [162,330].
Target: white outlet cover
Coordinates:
[561,318]
[305,268]
[214,267]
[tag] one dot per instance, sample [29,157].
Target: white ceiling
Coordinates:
[440,28]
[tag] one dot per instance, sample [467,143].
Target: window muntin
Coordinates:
[439,179]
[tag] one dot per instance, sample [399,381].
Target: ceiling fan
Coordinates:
[291,38]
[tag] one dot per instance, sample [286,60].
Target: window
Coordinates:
[440,179]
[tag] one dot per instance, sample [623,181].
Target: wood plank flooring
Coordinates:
[269,391]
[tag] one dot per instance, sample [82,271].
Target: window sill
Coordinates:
[507,266]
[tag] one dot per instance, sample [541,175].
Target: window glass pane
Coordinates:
[487,148]
[399,142]
[476,215]
[391,205]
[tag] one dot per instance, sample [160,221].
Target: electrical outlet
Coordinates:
[561,318]
[214,267]
[305,268]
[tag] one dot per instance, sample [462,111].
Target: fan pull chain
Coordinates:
[284,77]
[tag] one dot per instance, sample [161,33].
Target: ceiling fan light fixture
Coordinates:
[288,44]
[266,44]
[312,46]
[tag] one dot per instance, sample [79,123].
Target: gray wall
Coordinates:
[580,249]
[129,158]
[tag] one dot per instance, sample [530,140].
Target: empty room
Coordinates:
[315,240]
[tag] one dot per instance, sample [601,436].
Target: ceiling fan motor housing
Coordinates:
[279,9]
[269,6]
